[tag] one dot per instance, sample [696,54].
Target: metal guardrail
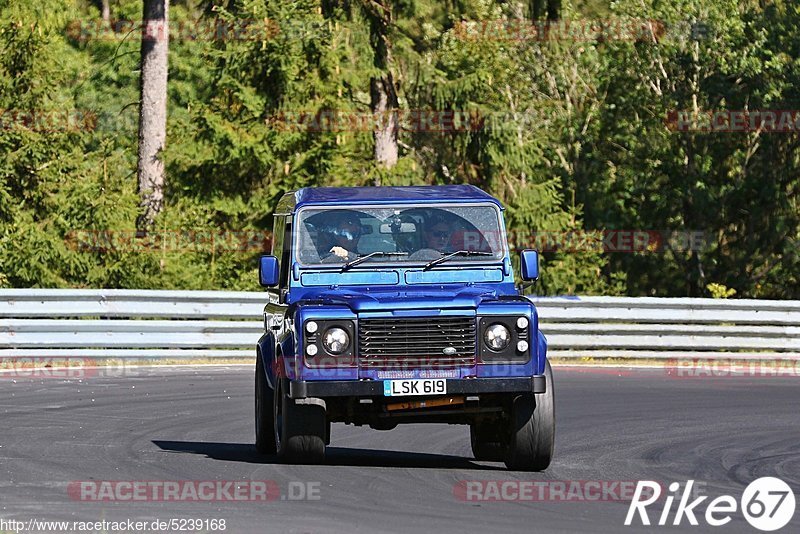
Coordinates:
[654,327]
[189,324]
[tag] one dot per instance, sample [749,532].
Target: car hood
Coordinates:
[428,298]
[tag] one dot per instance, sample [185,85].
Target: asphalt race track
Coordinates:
[175,424]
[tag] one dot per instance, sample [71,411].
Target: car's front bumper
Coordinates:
[300,389]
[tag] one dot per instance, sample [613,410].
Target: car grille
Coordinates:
[418,342]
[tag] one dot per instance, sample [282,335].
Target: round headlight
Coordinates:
[311,350]
[336,340]
[522,323]
[311,327]
[497,337]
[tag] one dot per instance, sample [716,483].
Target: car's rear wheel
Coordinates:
[301,427]
[533,429]
[487,441]
[264,411]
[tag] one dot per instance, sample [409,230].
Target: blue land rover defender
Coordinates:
[390,305]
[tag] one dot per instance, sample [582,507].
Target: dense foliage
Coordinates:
[568,128]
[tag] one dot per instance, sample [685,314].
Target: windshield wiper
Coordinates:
[447,257]
[362,259]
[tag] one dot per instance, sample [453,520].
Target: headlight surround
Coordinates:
[497,337]
[504,338]
[336,340]
[326,346]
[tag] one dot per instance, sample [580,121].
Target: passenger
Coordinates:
[438,234]
[345,238]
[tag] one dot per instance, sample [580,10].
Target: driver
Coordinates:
[437,235]
[345,237]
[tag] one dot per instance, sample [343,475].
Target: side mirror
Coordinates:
[529,265]
[268,271]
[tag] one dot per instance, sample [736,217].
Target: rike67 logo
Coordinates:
[767,503]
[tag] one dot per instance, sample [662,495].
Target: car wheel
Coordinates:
[301,427]
[487,442]
[264,411]
[533,429]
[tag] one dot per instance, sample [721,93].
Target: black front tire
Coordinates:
[487,442]
[264,412]
[301,428]
[533,429]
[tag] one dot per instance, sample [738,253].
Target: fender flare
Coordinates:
[286,364]
[265,349]
[541,352]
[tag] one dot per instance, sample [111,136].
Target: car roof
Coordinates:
[342,196]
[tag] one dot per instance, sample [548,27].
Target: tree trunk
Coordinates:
[553,9]
[105,10]
[538,9]
[383,93]
[384,108]
[153,110]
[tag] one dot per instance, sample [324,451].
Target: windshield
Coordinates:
[398,234]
